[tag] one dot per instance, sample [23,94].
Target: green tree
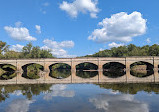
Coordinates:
[154,50]
[12,54]
[26,51]
[45,54]
[3,48]
[35,52]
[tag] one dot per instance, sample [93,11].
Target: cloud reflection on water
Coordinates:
[118,103]
[19,105]
[58,90]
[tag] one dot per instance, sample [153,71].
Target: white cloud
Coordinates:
[46,4]
[113,44]
[18,24]
[57,48]
[59,90]
[118,103]
[148,40]
[17,92]
[38,29]
[19,33]
[19,105]
[120,27]
[43,11]
[17,48]
[83,6]
[101,49]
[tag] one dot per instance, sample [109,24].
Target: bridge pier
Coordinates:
[100,72]
[46,67]
[156,75]
[128,71]
[19,67]
[73,72]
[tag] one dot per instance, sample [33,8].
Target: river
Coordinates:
[80,98]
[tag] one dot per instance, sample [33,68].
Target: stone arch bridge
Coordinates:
[99,61]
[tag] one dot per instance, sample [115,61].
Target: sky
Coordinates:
[70,28]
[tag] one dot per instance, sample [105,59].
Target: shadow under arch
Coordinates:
[86,70]
[114,69]
[141,69]
[32,71]
[60,70]
[7,71]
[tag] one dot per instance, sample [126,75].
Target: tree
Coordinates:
[12,54]
[154,50]
[45,54]
[3,47]
[35,52]
[26,51]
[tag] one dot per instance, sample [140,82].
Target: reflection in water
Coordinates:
[25,90]
[60,70]
[60,73]
[114,73]
[19,105]
[118,103]
[132,88]
[79,98]
[114,70]
[86,74]
[7,75]
[141,73]
[7,72]
[32,71]
[58,90]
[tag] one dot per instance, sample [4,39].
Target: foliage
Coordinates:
[60,66]
[60,70]
[114,66]
[141,73]
[114,74]
[28,51]
[32,71]
[87,66]
[132,88]
[3,47]
[129,50]
[87,74]
[60,73]
[27,90]
[7,71]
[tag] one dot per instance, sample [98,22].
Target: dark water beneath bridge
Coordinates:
[80,98]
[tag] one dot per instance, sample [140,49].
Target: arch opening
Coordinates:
[32,71]
[60,70]
[7,71]
[141,69]
[114,69]
[86,70]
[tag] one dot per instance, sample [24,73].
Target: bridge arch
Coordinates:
[86,66]
[7,71]
[145,64]
[60,70]
[141,69]
[89,62]
[32,70]
[114,69]
[114,65]
[86,70]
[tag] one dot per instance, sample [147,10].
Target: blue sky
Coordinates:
[78,27]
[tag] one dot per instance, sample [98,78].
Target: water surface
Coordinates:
[80,98]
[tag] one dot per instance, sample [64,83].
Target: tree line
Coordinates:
[28,51]
[129,50]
